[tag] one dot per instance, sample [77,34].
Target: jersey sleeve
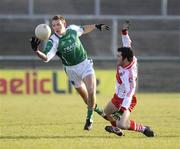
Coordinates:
[78,29]
[130,84]
[51,48]
[126,40]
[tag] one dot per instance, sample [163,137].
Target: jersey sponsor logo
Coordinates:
[70,48]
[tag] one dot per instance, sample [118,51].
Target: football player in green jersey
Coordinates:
[65,43]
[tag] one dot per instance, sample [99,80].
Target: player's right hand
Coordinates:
[35,43]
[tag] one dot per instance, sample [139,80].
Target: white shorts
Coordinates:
[78,72]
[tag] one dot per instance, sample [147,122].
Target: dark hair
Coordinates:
[59,17]
[126,53]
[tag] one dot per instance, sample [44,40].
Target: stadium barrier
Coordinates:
[33,82]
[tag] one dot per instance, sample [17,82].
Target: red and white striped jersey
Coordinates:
[126,82]
[126,76]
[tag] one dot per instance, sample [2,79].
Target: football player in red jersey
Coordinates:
[124,99]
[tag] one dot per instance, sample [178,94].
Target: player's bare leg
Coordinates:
[84,94]
[126,124]
[108,110]
[90,83]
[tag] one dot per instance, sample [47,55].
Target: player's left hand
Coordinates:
[102,27]
[126,25]
[34,43]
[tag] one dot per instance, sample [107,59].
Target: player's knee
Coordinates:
[121,125]
[91,91]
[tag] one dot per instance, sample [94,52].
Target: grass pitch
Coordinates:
[56,122]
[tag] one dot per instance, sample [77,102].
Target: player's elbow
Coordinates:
[42,56]
[46,60]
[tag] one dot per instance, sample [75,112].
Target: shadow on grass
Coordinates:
[80,136]
[54,137]
[39,124]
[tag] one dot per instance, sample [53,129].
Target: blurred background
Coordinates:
[155,32]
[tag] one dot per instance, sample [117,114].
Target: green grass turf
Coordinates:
[56,122]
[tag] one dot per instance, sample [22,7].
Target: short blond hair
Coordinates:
[59,17]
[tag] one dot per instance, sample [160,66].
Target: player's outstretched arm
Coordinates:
[34,45]
[90,28]
[125,27]
[126,41]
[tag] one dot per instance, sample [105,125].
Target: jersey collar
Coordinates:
[130,64]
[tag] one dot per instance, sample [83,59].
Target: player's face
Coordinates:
[58,27]
[119,59]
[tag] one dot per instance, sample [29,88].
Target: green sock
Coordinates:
[90,114]
[98,110]
[117,115]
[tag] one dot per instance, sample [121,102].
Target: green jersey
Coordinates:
[67,47]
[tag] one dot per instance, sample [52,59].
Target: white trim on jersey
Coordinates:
[78,29]
[53,50]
